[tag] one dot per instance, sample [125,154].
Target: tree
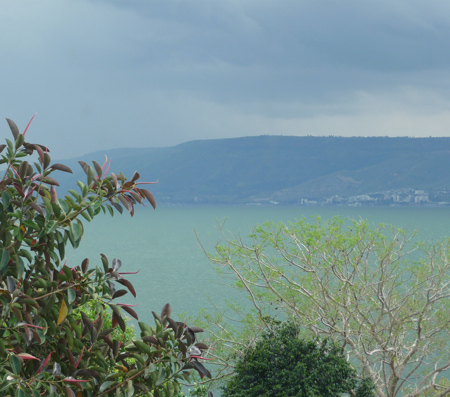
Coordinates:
[285,365]
[384,299]
[53,334]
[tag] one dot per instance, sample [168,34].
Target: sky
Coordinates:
[105,74]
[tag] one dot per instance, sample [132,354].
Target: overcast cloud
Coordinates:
[107,74]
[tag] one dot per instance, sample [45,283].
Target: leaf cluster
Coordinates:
[49,345]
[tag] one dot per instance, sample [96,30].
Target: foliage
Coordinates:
[370,290]
[88,309]
[197,391]
[282,364]
[45,346]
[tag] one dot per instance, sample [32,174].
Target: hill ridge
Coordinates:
[292,170]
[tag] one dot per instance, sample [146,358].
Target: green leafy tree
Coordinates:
[385,300]
[285,365]
[54,339]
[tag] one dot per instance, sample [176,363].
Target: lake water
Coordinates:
[174,269]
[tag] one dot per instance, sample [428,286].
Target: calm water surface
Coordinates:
[174,269]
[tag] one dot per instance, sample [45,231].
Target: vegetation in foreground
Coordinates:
[383,299]
[285,365]
[53,336]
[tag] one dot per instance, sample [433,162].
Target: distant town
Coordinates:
[400,197]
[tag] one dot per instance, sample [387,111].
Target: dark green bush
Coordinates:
[282,364]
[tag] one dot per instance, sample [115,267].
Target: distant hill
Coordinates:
[287,169]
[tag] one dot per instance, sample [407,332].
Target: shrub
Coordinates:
[48,343]
[282,364]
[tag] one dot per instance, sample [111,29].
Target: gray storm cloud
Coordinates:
[105,74]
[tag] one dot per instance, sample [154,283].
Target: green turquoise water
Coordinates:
[173,267]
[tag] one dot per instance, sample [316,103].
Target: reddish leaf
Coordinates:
[196,329]
[98,169]
[29,325]
[130,272]
[137,197]
[166,310]
[130,311]
[126,202]
[118,320]
[53,194]
[70,357]
[114,178]
[87,372]
[61,167]
[135,177]
[149,196]
[119,293]
[127,185]
[75,380]
[40,152]
[48,180]
[128,285]
[85,265]
[13,127]
[45,362]
[84,166]
[116,264]
[114,321]
[26,128]
[201,370]
[26,356]
[81,355]
[202,346]
[19,190]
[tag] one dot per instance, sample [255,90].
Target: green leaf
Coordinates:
[130,388]
[67,272]
[4,258]
[20,266]
[5,385]
[50,227]
[64,206]
[20,392]
[19,141]
[106,385]
[86,216]
[75,194]
[142,346]
[25,254]
[75,233]
[110,209]
[90,175]
[71,296]
[15,364]
[10,146]
[5,199]
[161,376]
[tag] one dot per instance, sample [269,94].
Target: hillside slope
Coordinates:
[285,169]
